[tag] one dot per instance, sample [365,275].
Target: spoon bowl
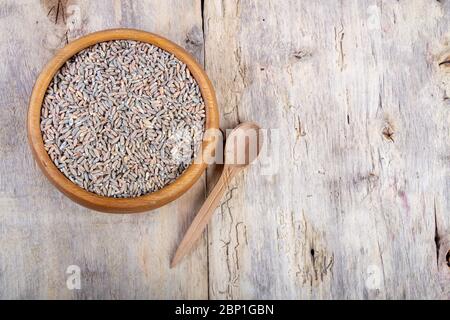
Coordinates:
[243,145]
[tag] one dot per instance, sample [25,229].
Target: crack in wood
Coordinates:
[388,133]
[339,39]
[56,10]
[232,259]
[437,239]
[447,258]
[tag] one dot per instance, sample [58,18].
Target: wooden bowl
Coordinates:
[108,204]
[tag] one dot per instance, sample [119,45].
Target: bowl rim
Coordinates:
[89,199]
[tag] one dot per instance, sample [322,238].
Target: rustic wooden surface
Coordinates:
[357,96]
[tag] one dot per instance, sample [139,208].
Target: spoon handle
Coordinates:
[204,214]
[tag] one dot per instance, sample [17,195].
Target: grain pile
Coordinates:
[122,118]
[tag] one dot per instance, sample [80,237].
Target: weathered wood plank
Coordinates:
[360,203]
[359,206]
[41,231]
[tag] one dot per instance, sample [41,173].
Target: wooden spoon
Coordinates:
[242,147]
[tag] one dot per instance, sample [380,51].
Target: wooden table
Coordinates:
[356,94]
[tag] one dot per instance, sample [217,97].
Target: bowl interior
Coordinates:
[108,204]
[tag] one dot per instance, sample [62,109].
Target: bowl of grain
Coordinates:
[117,121]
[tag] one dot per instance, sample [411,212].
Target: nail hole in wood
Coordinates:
[388,133]
[312,252]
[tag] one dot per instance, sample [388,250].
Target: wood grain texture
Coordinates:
[41,231]
[358,208]
[360,204]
